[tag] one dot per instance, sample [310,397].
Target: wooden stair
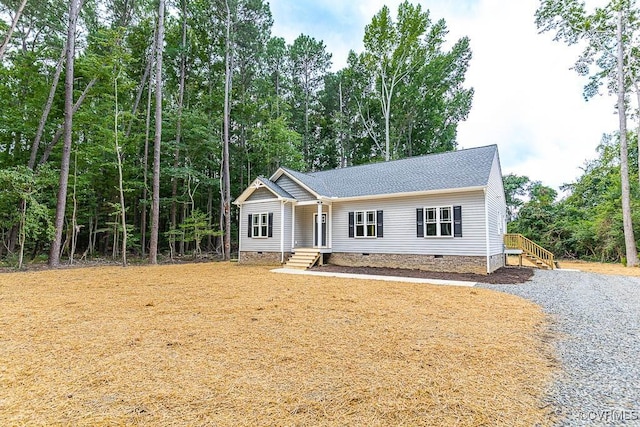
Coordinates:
[303,258]
[539,256]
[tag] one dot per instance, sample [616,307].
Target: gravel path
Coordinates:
[597,319]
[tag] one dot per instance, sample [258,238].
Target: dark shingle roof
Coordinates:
[275,188]
[450,170]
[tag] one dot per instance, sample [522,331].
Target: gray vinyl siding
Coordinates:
[268,244]
[261,194]
[497,208]
[291,187]
[400,226]
[287,226]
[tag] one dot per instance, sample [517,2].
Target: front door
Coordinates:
[315,230]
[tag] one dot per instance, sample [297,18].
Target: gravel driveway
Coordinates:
[597,320]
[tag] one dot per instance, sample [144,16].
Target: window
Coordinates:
[365,224]
[438,222]
[260,225]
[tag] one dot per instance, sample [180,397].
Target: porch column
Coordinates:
[319,224]
[330,227]
[293,227]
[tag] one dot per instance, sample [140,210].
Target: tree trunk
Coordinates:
[176,154]
[74,223]
[638,129]
[227,118]
[629,239]
[14,23]
[123,213]
[54,254]
[143,83]
[22,233]
[145,171]
[46,111]
[59,132]
[155,204]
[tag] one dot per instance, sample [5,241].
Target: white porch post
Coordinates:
[282,232]
[330,227]
[293,227]
[319,224]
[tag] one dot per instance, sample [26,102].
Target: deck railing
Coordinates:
[529,247]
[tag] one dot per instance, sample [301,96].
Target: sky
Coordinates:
[527,98]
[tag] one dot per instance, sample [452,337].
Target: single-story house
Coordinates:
[439,212]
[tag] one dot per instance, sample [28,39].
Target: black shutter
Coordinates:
[420,222]
[250,227]
[270,230]
[457,221]
[379,222]
[351,233]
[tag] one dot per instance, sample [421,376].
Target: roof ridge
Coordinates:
[313,174]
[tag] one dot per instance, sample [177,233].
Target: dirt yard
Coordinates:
[223,344]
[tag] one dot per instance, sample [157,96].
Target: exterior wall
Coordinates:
[449,263]
[261,194]
[496,262]
[294,189]
[261,258]
[267,244]
[288,217]
[496,209]
[400,226]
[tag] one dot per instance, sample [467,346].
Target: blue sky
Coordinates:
[527,99]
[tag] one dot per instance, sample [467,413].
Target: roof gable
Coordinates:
[262,182]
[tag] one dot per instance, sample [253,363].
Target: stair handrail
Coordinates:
[518,241]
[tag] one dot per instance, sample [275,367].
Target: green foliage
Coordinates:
[287,110]
[587,222]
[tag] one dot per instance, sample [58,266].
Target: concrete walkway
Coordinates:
[374,277]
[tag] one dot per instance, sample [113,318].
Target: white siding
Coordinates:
[261,194]
[294,189]
[287,226]
[400,226]
[270,244]
[497,209]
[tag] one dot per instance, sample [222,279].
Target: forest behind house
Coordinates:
[137,142]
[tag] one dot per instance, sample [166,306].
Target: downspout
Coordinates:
[486,227]
[282,232]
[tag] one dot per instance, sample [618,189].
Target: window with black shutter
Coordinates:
[260,225]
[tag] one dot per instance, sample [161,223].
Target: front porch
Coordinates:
[312,227]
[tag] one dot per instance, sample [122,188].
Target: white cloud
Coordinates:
[527,99]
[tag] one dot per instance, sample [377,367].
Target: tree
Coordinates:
[226,177]
[515,187]
[606,32]
[155,203]
[12,28]
[54,254]
[309,63]
[392,52]
[416,84]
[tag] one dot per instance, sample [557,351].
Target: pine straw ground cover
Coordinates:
[224,344]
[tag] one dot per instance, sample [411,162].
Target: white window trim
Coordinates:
[365,224]
[438,222]
[260,225]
